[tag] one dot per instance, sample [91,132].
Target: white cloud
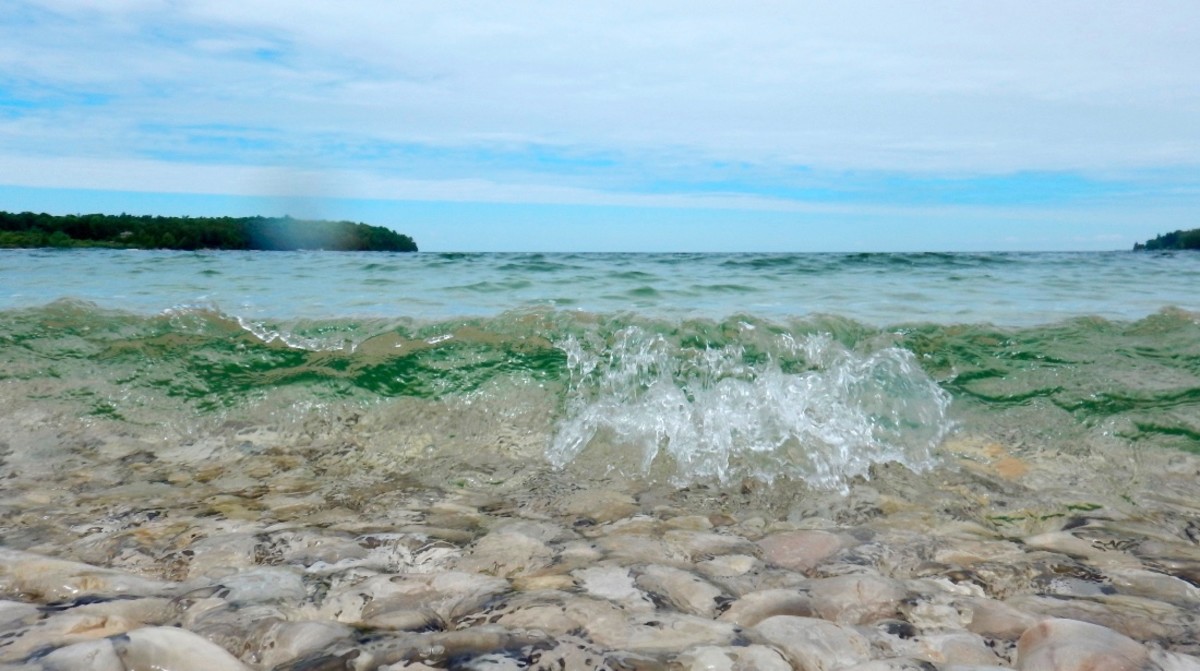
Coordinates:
[942,86]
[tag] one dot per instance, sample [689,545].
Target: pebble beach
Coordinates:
[255,556]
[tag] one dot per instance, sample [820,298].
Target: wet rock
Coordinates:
[172,649]
[1096,553]
[697,545]
[855,599]
[755,607]
[996,619]
[727,566]
[812,644]
[408,552]
[894,664]
[1141,619]
[1070,645]
[219,554]
[16,613]
[630,548]
[1172,661]
[543,582]
[46,579]
[450,595]
[800,550]
[263,585]
[388,616]
[600,505]
[684,591]
[615,584]
[559,614]
[959,647]
[65,629]
[507,553]
[715,658]
[274,642]
[91,655]
[689,522]
[667,632]
[1154,585]
[305,547]
[232,627]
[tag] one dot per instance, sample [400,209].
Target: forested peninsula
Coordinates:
[125,231]
[1177,240]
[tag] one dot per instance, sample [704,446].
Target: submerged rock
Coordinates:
[46,579]
[800,550]
[812,644]
[1070,645]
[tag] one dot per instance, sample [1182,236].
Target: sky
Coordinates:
[618,125]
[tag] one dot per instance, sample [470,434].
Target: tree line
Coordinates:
[125,231]
[1176,240]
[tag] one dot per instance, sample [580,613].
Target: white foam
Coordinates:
[715,414]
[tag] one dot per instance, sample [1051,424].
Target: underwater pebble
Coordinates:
[263,585]
[220,554]
[800,550]
[507,553]
[996,619]
[855,599]
[14,613]
[274,641]
[958,646]
[600,505]
[1143,619]
[65,629]
[727,566]
[47,579]
[684,591]
[754,607]
[1070,645]
[616,584]
[172,649]
[92,655]
[449,595]
[1173,661]
[745,658]
[812,644]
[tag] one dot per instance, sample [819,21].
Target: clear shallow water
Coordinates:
[1010,289]
[678,369]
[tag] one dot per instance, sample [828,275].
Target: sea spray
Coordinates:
[807,408]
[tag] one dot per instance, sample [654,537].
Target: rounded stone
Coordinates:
[1071,645]
[800,550]
[812,644]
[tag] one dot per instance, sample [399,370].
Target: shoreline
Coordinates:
[285,551]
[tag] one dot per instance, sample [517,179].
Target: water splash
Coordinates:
[806,408]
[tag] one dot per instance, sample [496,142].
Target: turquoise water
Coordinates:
[681,368]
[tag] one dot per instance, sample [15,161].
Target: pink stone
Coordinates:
[799,550]
[1071,645]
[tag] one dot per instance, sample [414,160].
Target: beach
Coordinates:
[479,477]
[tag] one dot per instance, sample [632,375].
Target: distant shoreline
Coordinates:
[41,230]
[1176,240]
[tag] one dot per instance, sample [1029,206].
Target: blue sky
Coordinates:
[666,126]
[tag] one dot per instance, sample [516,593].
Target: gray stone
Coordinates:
[615,584]
[684,591]
[172,649]
[755,607]
[811,644]
[718,658]
[855,599]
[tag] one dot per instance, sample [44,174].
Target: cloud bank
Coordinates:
[690,104]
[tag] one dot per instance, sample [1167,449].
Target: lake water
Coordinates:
[679,367]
